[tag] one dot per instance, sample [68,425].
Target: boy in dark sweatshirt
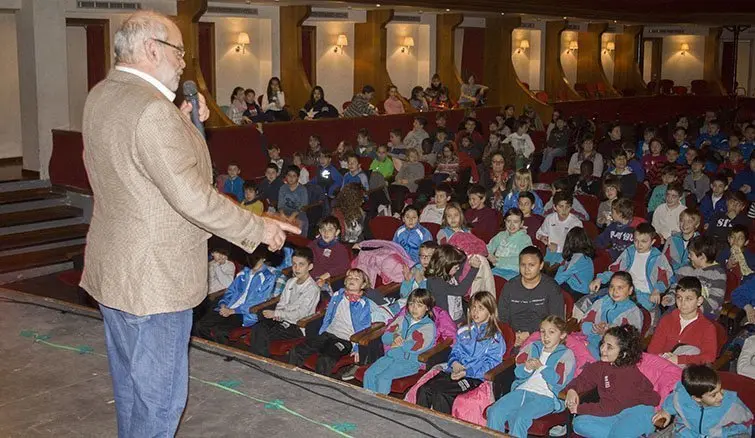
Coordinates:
[619,234]
[331,257]
[479,215]
[529,297]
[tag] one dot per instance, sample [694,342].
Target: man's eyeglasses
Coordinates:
[181,51]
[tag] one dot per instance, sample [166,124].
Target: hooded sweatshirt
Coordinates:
[695,421]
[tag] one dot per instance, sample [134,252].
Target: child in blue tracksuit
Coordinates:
[453,222]
[701,408]
[348,312]
[543,369]
[619,234]
[408,337]
[675,248]
[234,185]
[327,176]
[479,348]
[576,272]
[658,274]
[714,201]
[355,173]
[251,286]
[411,235]
[612,310]
[414,278]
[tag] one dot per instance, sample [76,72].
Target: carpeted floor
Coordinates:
[55,382]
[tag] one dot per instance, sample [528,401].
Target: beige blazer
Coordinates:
[154,203]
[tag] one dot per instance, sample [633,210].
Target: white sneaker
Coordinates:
[557,431]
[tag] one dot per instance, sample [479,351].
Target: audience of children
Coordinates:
[442,274]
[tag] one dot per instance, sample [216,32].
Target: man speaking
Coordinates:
[154,209]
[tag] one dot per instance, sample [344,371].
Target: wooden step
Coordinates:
[36,259]
[26,195]
[43,237]
[39,215]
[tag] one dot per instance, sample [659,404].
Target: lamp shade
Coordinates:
[409,42]
[611,46]
[524,44]
[685,47]
[342,40]
[243,38]
[573,45]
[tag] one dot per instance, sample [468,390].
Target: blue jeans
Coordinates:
[149,365]
[549,154]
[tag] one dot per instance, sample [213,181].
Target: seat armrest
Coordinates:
[389,289]
[375,326]
[503,366]
[445,344]
[309,319]
[373,335]
[265,305]
[723,361]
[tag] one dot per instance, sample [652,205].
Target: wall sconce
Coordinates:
[408,44]
[573,46]
[341,42]
[610,47]
[242,42]
[685,48]
[523,46]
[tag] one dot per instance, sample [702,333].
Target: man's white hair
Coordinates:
[135,31]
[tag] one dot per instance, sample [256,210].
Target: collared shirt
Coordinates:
[171,96]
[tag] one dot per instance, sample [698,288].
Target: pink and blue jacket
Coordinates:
[558,372]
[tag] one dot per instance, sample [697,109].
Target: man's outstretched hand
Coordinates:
[276,226]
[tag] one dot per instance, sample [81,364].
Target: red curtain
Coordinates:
[96,68]
[307,38]
[727,65]
[472,53]
[207,54]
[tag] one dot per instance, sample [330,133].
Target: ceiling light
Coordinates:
[448,10]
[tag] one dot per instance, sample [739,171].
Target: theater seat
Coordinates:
[591,204]
[432,227]
[384,227]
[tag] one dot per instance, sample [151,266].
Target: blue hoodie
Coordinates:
[329,178]
[577,273]
[477,355]
[418,337]
[718,142]
[745,177]
[411,239]
[512,200]
[359,178]
[615,238]
[695,421]
[707,209]
[247,290]
[234,187]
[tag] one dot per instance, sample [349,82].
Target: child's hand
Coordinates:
[226,312]
[664,416]
[667,300]
[600,328]
[572,401]
[750,313]
[407,273]
[552,247]
[595,286]
[543,239]
[745,189]
[731,263]
[492,259]
[655,297]
[520,338]
[397,341]
[355,356]
[474,262]
[532,364]
[458,375]
[671,357]
[456,367]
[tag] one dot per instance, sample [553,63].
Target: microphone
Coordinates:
[190,94]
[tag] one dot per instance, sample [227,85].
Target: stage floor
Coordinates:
[54,381]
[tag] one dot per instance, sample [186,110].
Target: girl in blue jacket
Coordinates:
[522,183]
[251,286]
[612,310]
[543,369]
[577,270]
[701,408]
[411,235]
[408,337]
[479,348]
